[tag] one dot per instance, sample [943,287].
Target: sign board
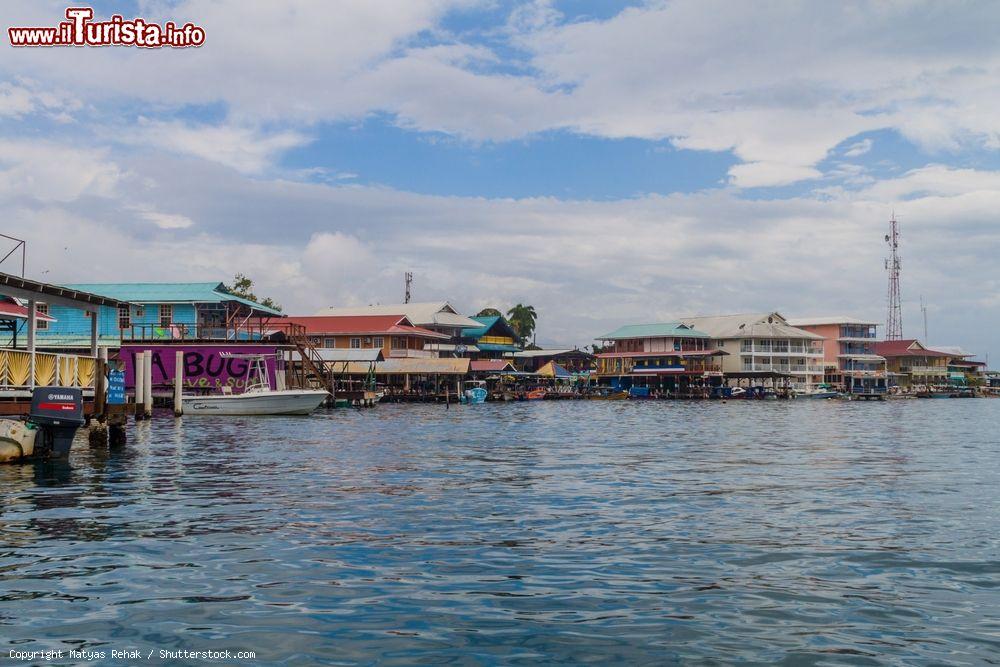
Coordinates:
[206,367]
[116,387]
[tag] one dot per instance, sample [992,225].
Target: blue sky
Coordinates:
[608,162]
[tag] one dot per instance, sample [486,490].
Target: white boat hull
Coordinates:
[285,402]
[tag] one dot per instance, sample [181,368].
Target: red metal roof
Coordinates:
[901,348]
[671,353]
[490,365]
[377,325]
[9,309]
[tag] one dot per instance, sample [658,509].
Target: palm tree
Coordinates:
[522,318]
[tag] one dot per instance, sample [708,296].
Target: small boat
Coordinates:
[819,391]
[258,398]
[535,395]
[474,392]
[608,394]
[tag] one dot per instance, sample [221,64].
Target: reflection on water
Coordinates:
[636,532]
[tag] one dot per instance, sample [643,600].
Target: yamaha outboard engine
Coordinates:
[57,413]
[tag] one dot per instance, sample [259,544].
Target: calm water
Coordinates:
[804,532]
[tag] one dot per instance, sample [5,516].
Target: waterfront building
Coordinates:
[26,312]
[962,368]
[665,357]
[494,338]
[909,363]
[395,335]
[764,346]
[155,312]
[439,316]
[849,358]
[574,360]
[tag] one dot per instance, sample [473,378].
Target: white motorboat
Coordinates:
[258,398]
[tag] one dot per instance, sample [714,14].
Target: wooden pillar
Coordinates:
[31,342]
[139,373]
[178,383]
[101,384]
[147,384]
[94,330]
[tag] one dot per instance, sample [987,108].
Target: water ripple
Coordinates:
[644,533]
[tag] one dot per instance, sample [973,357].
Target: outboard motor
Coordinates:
[56,413]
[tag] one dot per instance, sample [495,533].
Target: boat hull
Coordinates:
[263,403]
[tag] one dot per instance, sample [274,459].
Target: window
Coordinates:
[398,343]
[41,309]
[355,343]
[166,315]
[329,342]
[124,317]
[379,342]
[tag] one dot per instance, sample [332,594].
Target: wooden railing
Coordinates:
[17,371]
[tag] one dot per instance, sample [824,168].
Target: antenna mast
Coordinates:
[894,317]
[409,283]
[923,311]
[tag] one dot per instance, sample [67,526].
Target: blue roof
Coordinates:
[169,293]
[659,330]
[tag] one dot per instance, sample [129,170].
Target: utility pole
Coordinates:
[409,283]
[894,316]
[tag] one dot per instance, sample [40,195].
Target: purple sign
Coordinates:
[205,368]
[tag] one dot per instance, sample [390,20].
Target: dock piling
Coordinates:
[178,382]
[147,384]
[139,374]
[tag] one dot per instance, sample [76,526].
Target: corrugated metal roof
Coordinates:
[490,366]
[656,330]
[332,325]
[213,292]
[831,319]
[9,309]
[414,367]
[907,347]
[22,288]
[531,354]
[435,313]
[748,325]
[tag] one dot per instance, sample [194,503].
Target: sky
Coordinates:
[606,162]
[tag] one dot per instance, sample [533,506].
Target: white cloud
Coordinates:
[47,171]
[859,148]
[243,148]
[778,84]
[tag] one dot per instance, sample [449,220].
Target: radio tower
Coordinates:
[894,318]
[409,283]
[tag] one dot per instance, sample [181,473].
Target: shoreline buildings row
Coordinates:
[405,345]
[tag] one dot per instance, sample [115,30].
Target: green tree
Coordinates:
[489,312]
[243,287]
[522,318]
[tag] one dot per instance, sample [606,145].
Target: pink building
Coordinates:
[849,353]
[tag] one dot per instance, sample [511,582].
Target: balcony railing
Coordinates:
[411,354]
[65,370]
[241,331]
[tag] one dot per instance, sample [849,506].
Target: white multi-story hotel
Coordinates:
[764,345]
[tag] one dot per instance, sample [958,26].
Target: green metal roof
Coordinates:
[169,293]
[660,330]
[488,322]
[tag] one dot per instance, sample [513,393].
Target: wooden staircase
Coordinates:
[312,362]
